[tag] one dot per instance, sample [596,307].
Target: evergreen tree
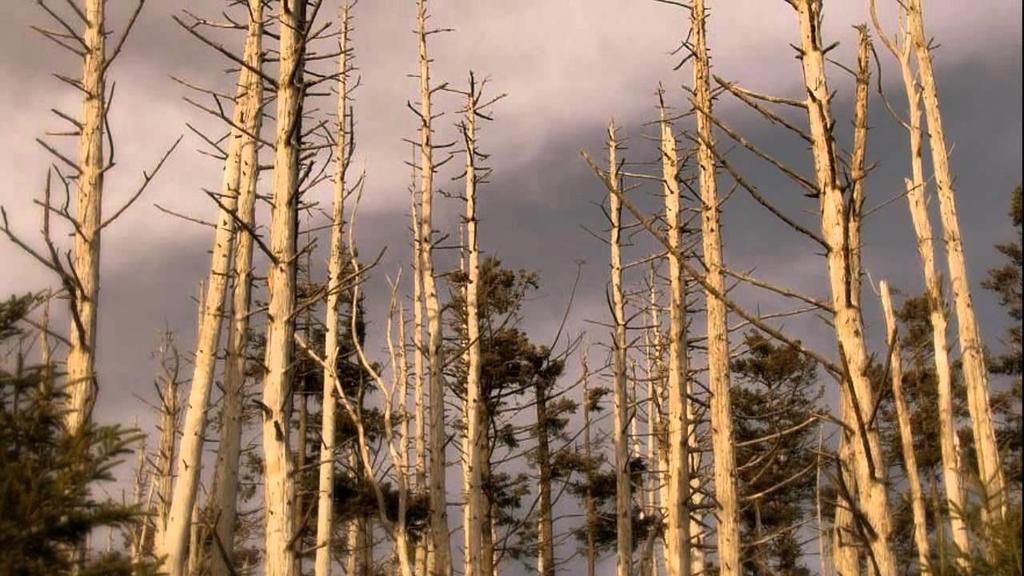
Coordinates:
[48,478]
[776,396]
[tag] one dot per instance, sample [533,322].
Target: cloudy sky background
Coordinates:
[568,66]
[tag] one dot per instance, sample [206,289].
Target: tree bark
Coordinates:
[279,489]
[223,509]
[435,356]
[677,506]
[173,542]
[906,433]
[335,271]
[590,508]
[868,466]
[475,435]
[81,360]
[623,495]
[971,347]
[545,526]
[726,507]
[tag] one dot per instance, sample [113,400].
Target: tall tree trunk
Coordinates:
[590,507]
[726,507]
[971,348]
[906,433]
[677,505]
[868,466]
[545,520]
[170,410]
[335,270]
[81,360]
[173,542]
[916,188]
[475,435]
[420,421]
[435,356]
[223,509]
[623,496]
[279,489]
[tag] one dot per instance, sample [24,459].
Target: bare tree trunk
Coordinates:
[435,356]
[677,505]
[545,520]
[845,552]
[868,466]
[81,360]
[588,500]
[173,542]
[906,433]
[475,435]
[335,270]
[726,508]
[422,549]
[224,501]
[623,496]
[917,202]
[279,489]
[170,411]
[971,348]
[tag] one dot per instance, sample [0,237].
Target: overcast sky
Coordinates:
[567,66]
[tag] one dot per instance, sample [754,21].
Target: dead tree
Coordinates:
[906,433]
[173,541]
[971,348]
[279,489]
[726,507]
[623,496]
[916,200]
[335,272]
[849,327]
[435,357]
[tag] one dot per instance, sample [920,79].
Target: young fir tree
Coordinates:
[49,480]
[775,399]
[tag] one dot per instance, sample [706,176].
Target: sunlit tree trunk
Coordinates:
[475,434]
[623,496]
[971,348]
[906,433]
[81,360]
[335,270]
[677,504]
[435,357]
[170,410]
[174,541]
[278,486]
[868,466]
[545,519]
[726,507]
[224,499]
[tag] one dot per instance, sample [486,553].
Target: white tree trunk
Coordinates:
[726,508]
[81,360]
[971,348]
[623,492]
[173,542]
[677,504]
[335,271]
[475,433]
[868,466]
[906,433]
[225,478]
[278,487]
[435,356]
